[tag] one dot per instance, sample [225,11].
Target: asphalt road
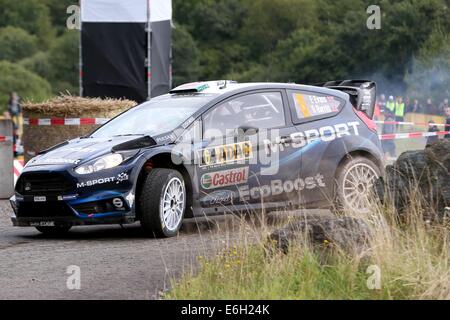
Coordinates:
[114,263]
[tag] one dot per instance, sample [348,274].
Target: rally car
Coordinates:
[210,148]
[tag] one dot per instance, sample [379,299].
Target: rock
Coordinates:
[348,234]
[425,171]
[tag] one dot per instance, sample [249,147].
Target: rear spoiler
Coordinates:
[363,93]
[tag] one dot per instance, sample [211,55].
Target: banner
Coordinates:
[126,48]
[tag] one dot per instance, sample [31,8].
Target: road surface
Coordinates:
[114,263]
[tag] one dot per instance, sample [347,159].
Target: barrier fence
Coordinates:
[418,124]
[64,121]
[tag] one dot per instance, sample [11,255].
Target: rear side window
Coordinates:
[307,106]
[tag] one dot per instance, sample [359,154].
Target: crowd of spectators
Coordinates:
[398,107]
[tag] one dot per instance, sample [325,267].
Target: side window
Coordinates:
[312,106]
[258,110]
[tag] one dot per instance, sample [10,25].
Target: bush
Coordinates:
[27,84]
[64,61]
[39,64]
[30,15]
[186,63]
[16,44]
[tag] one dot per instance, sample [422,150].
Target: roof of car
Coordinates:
[221,87]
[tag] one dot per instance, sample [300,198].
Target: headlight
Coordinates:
[106,162]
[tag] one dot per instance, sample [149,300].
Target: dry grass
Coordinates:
[72,106]
[412,253]
[38,138]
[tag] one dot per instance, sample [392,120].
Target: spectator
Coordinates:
[432,139]
[429,107]
[389,148]
[417,107]
[390,105]
[399,110]
[15,111]
[14,107]
[447,127]
[408,105]
[443,106]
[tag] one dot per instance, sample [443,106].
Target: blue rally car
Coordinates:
[209,148]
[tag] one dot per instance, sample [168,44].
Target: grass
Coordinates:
[412,255]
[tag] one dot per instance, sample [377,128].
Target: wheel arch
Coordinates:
[359,153]
[164,160]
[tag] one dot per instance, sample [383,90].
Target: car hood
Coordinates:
[80,150]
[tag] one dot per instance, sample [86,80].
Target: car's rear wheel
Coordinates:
[355,181]
[53,231]
[163,202]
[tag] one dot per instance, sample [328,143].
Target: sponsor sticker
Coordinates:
[226,154]
[117,179]
[219,179]
[217,198]
[278,187]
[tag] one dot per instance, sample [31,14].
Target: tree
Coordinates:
[39,64]
[28,85]
[63,56]
[430,72]
[16,44]
[30,15]
[186,62]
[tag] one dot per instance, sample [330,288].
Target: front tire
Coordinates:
[355,181]
[163,203]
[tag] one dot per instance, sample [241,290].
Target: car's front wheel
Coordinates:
[355,181]
[53,231]
[163,202]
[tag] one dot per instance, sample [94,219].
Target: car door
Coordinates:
[317,120]
[236,166]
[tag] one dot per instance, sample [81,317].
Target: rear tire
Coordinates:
[355,180]
[163,203]
[53,231]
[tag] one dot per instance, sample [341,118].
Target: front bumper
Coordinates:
[58,197]
[105,207]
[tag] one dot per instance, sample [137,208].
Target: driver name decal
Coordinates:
[226,154]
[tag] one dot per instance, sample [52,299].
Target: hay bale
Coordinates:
[38,137]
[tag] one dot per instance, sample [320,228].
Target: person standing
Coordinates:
[417,108]
[15,112]
[390,105]
[429,107]
[432,139]
[14,107]
[443,106]
[399,111]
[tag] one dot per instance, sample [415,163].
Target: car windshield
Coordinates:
[155,117]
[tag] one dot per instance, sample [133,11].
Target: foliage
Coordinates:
[16,43]
[27,84]
[30,15]
[305,41]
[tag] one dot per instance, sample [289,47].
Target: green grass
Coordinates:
[413,257]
